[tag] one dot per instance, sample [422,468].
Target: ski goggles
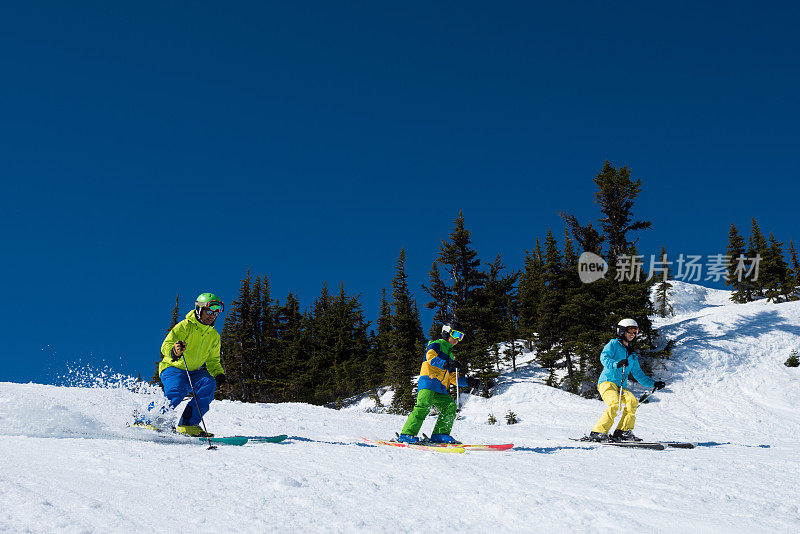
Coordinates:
[455,334]
[216,307]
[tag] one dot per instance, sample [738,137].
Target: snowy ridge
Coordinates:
[71,464]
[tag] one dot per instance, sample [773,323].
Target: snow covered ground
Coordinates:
[69,464]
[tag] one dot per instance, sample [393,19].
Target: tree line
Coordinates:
[276,351]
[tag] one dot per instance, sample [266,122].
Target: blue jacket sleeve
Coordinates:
[608,356]
[440,359]
[638,374]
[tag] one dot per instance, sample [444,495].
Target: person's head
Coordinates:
[207,307]
[452,332]
[627,330]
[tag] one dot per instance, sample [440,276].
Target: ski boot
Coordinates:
[194,431]
[598,436]
[443,438]
[407,438]
[625,435]
[143,420]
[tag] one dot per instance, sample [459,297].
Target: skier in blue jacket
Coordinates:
[618,361]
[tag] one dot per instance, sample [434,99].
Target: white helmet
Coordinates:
[624,324]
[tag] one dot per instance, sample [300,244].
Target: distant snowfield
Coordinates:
[69,464]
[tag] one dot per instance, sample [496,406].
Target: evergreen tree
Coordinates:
[268,331]
[441,300]
[595,308]
[742,290]
[663,287]
[616,196]
[407,341]
[156,378]
[549,320]
[293,350]
[794,273]
[775,272]
[462,293]
[339,345]
[758,248]
[531,289]
[238,346]
[375,367]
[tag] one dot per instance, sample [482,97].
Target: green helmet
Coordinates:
[209,301]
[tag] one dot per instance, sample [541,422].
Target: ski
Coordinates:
[222,440]
[653,445]
[456,449]
[469,446]
[266,439]
[680,444]
[472,446]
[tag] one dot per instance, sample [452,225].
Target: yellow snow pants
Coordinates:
[609,392]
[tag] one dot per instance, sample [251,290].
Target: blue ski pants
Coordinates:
[176,387]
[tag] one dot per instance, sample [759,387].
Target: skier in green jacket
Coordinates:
[438,372]
[195,342]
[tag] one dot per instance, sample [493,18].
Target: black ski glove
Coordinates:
[177,350]
[220,378]
[659,384]
[623,363]
[453,366]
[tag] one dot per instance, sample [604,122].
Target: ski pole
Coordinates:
[622,380]
[458,398]
[643,397]
[196,402]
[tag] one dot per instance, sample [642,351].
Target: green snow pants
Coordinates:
[425,398]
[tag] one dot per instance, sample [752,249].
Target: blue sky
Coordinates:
[158,148]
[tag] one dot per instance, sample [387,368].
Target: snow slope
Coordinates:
[71,465]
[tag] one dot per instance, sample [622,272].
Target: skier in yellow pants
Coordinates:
[619,360]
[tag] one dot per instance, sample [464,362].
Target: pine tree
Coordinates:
[594,308]
[549,327]
[380,346]
[616,196]
[794,273]
[662,305]
[406,340]
[441,300]
[462,294]
[238,346]
[758,248]
[293,350]
[156,378]
[531,289]
[775,272]
[742,290]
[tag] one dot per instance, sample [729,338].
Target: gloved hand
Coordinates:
[473,383]
[623,363]
[454,365]
[220,378]
[659,384]
[177,350]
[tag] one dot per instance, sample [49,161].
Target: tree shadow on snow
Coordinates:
[529,372]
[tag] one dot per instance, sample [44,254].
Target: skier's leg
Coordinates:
[630,404]
[204,386]
[419,413]
[176,385]
[609,392]
[447,413]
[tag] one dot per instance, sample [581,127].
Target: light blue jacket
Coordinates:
[612,354]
